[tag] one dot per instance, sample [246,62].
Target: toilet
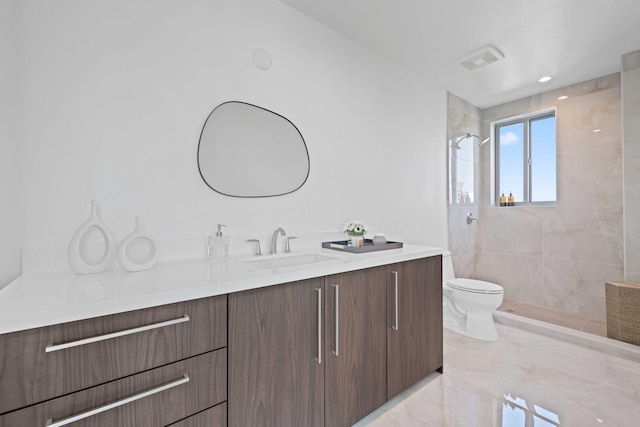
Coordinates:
[468,304]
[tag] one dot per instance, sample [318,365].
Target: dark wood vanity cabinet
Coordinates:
[328,351]
[414,338]
[320,352]
[152,367]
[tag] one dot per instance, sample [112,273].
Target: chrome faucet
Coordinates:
[274,240]
[470,218]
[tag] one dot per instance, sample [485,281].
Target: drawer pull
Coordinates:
[55,347]
[74,418]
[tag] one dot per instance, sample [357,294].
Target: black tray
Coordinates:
[343,245]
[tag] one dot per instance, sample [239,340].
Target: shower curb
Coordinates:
[584,339]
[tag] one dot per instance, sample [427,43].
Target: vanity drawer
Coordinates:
[212,417]
[31,370]
[158,397]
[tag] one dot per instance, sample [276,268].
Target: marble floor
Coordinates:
[525,379]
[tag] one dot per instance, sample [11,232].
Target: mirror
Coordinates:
[248,151]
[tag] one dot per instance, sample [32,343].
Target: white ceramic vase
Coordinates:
[81,250]
[138,251]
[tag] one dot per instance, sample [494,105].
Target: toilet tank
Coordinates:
[447,267]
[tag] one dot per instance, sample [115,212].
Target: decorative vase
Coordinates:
[80,254]
[138,251]
[357,241]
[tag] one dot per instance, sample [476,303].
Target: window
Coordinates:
[525,153]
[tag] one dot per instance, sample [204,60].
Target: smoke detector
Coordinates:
[479,58]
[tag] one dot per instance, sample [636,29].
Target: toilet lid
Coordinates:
[472,285]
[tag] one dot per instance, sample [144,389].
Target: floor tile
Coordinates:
[523,379]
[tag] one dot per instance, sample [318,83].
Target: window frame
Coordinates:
[525,120]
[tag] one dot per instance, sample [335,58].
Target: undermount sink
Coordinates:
[290,261]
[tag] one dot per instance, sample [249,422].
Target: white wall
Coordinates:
[10,237]
[117,92]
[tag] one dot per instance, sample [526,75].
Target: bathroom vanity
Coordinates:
[295,340]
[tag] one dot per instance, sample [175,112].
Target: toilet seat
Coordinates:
[475,286]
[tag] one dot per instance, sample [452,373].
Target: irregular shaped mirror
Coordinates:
[248,151]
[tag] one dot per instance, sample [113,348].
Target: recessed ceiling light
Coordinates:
[563,97]
[544,79]
[596,130]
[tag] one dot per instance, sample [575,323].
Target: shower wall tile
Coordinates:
[550,99]
[599,84]
[461,124]
[519,275]
[632,276]
[631,105]
[575,124]
[590,178]
[463,238]
[466,265]
[578,287]
[585,230]
[463,117]
[464,107]
[631,132]
[516,230]
[632,202]
[511,109]
[592,234]
[631,61]
[632,168]
[632,240]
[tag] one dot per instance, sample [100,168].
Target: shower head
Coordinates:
[481,142]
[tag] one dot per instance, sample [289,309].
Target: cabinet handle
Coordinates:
[74,418]
[55,347]
[337,288]
[319,358]
[395,291]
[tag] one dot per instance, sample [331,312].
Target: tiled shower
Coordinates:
[552,256]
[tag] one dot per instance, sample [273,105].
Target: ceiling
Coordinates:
[570,40]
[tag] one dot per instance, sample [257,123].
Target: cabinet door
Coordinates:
[275,377]
[414,308]
[355,333]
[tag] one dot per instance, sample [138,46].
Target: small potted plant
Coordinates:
[356,230]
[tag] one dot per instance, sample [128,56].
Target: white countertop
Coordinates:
[46,299]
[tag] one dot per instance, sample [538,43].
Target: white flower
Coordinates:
[355,228]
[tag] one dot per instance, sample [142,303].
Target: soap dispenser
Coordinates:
[218,245]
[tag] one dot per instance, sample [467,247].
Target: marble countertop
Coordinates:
[46,299]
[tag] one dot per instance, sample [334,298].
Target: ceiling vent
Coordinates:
[480,58]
